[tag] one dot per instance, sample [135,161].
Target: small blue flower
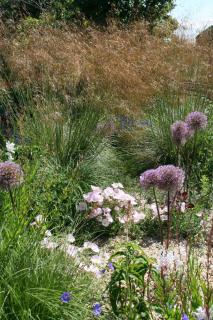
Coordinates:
[184,317]
[111,267]
[103,271]
[97,309]
[65,297]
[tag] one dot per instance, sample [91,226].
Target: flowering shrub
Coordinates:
[112,204]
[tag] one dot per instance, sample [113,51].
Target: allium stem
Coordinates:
[179,155]
[159,218]
[12,200]
[169,220]
[191,158]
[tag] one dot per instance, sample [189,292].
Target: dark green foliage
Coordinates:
[96,10]
[17,9]
[127,285]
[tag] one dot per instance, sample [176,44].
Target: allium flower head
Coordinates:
[97,309]
[65,297]
[196,120]
[180,132]
[11,175]
[149,178]
[170,178]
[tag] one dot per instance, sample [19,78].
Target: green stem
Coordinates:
[12,200]
[159,218]
[192,156]
[169,221]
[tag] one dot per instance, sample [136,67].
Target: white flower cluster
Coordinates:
[169,261]
[95,264]
[10,146]
[163,211]
[38,221]
[201,313]
[110,204]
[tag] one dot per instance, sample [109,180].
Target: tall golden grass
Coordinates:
[126,67]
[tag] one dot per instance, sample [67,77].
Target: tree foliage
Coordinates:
[95,10]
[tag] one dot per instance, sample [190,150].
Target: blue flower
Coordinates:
[65,297]
[97,309]
[111,267]
[103,271]
[184,317]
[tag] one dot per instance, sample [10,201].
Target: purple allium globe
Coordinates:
[170,178]
[180,132]
[65,297]
[11,175]
[149,178]
[97,309]
[196,120]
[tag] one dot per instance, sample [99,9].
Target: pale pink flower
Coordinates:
[95,213]
[124,219]
[82,206]
[70,238]
[72,250]
[96,189]
[48,244]
[48,233]
[117,185]
[107,220]
[137,217]
[200,314]
[183,207]
[91,245]
[94,196]
[108,192]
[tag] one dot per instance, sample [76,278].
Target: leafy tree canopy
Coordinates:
[95,10]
